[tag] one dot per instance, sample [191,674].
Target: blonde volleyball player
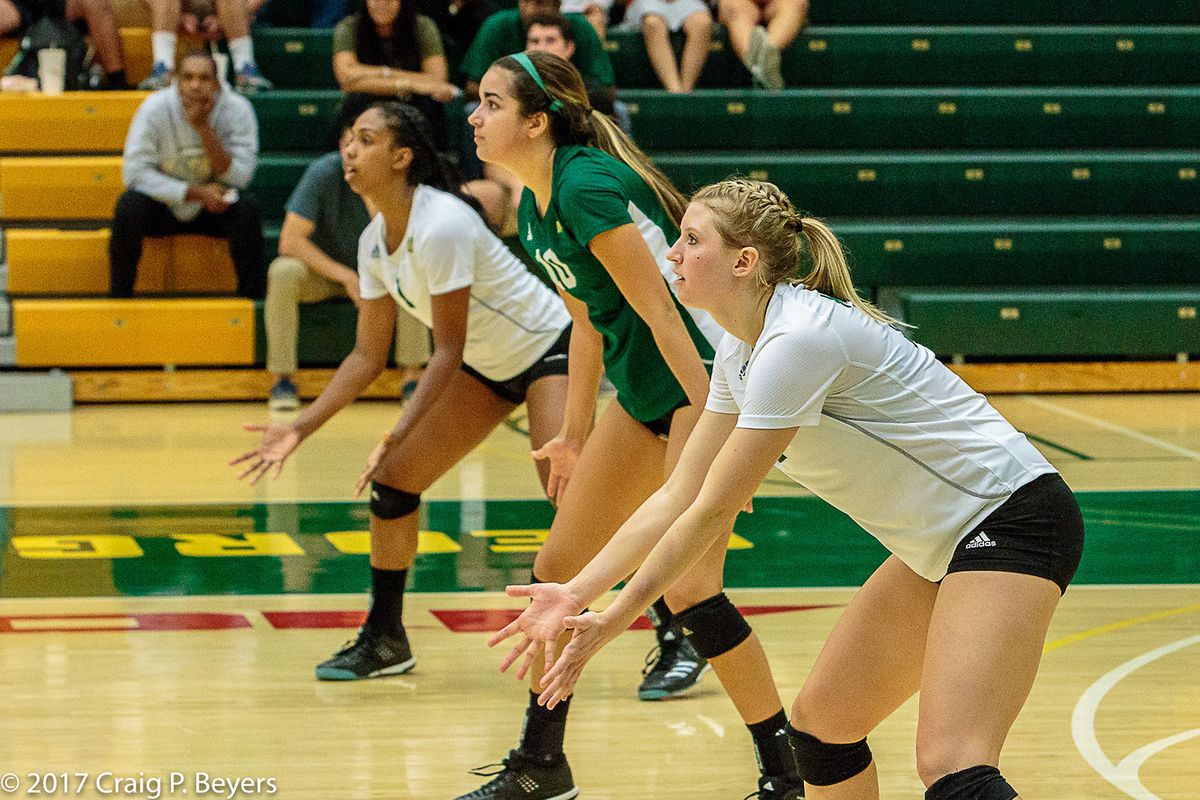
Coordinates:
[985,536]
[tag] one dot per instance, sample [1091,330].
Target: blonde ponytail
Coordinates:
[830,273]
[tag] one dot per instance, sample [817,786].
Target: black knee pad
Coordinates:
[390,503]
[823,764]
[714,626]
[973,783]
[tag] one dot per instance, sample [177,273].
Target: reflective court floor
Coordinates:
[159,621]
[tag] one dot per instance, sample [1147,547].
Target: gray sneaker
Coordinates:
[371,655]
[770,65]
[283,396]
[160,77]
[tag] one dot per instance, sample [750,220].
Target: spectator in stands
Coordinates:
[658,19]
[232,19]
[760,48]
[596,12]
[459,21]
[551,32]
[318,259]
[17,15]
[189,155]
[387,49]
[505,32]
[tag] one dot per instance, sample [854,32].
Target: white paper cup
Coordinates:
[52,67]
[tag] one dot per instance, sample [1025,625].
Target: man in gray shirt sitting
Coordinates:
[190,149]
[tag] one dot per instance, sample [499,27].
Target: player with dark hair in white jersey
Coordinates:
[985,536]
[500,338]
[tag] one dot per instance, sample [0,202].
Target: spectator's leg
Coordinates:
[10,17]
[784,19]
[289,284]
[236,22]
[739,17]
[136,217]
[658,49]
[102,27]
[599,18]
[241,225]
[697,30]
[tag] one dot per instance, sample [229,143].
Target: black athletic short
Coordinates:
[551,362]
[1037,531]
[661,427]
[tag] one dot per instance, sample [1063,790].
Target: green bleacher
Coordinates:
[1018,180]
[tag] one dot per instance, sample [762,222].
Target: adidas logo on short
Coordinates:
[981,540]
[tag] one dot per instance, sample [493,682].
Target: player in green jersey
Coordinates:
[600,218]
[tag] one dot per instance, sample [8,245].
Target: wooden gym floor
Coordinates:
[157,618]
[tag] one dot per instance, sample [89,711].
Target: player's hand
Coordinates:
[277,443]
[562,454]
[373,461]
[593,630]
[539,625]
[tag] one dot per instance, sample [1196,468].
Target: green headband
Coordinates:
[527,65]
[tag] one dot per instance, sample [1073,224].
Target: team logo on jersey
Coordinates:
[529,233]
[742,371]
[410,245]
[375,252]
[558,226]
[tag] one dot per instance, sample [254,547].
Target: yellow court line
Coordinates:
[1116,626]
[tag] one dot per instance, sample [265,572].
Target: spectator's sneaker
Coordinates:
[283,396]
[754,54]
[371,655]
[160,77]
[520,777]
[776,788]
[250,80]
[672,668]
[770,60]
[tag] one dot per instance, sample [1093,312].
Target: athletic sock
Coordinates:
[241,50]
[544,730]
[768,735]
[387,601]
[162,45]
[661,617]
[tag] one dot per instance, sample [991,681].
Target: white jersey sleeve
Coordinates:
[370,262]
[789,378]
[720,399]
[445,253]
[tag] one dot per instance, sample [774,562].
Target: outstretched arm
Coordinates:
[738,469]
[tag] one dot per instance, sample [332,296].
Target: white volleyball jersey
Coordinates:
[886,433]
[513,317]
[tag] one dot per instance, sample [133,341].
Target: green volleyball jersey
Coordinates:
[591,193]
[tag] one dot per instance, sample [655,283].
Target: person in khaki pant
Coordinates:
[318,241]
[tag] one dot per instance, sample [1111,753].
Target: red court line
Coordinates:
[91,623]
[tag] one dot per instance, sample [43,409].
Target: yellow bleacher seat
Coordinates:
[59,187]
[72,122]
[136,42]
[139,332]
[55,262]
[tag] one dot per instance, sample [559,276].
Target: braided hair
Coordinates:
[750,213]
[409,129]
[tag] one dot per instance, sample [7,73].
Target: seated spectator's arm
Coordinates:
[295,242]
[242,145]
[218,157]
[471,90]
[353,76]
[139,165]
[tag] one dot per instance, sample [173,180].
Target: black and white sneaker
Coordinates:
[521,777]
[672,668]
[371,655]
